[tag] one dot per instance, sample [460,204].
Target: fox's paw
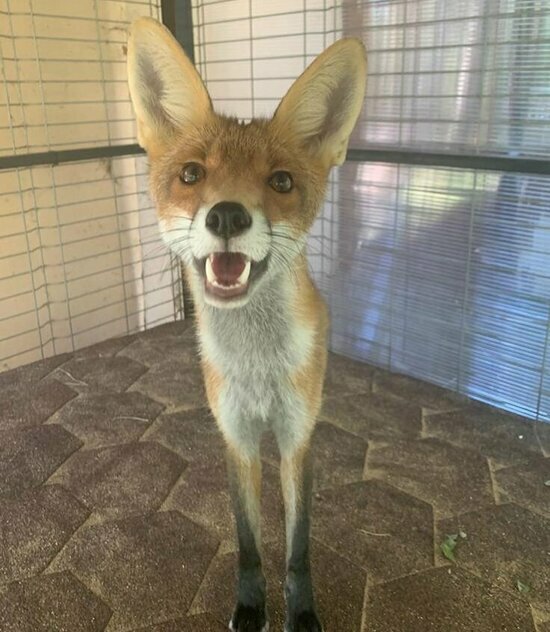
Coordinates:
[248,619]
[305,621]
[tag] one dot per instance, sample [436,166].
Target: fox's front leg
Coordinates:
[245,486]
[296,478]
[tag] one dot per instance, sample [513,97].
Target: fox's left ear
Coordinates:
[166,90]
[322,106]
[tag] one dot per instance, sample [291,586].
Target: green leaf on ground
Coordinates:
[448,547]
[523,588]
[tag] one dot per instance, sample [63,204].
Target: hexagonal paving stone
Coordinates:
[51,602]
[541,618]
[527,485]
[28,456]
[32,404]
[106,348]
[99,373]
[456,480]
[338,584]
[507,439]
[30,373]
[269,450]
[203,496]
[338,456]
[429,396]
[146,568]
[102,419]
[345,375]
[444,599]
[121,480]
[542,432]
[174,383]
[505,543]
[151,350]
[175,329]
[192,434]
[373,416]
[34,528]
[373,524]
[200,623]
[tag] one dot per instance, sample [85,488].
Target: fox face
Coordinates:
[236,200]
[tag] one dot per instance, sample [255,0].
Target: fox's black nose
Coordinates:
[228,219]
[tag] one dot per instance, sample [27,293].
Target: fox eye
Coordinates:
[281,181]
[192,173]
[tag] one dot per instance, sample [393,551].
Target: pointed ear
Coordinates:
[166,90]
[322,106]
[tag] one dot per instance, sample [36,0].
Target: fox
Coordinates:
[235,201]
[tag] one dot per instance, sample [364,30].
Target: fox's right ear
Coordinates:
[166,90]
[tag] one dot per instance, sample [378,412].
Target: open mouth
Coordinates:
[229,275]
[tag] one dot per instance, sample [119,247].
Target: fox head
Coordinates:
[235,201]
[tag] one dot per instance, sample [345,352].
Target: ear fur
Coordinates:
[166,91]
[322,106]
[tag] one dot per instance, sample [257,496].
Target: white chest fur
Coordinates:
[257,348]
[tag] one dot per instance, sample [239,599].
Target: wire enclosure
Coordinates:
[438,272]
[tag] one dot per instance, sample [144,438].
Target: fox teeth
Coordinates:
[211,277]
[210,271]
[243,277]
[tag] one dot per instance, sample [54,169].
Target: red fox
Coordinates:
[235,201]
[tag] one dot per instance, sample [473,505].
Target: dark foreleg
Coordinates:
[296,477]
[245,486]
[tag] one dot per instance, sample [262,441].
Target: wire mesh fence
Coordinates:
[64,73]
[81,259]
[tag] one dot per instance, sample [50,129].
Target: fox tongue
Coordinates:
[228,267]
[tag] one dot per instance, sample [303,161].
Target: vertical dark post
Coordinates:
[177,15]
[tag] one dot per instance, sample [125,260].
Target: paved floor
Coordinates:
[114,513]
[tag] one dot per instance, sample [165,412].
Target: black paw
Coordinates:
[305,621]
[248,619]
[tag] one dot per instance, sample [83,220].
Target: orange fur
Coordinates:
[239,159]
[213,382]
[310,310]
